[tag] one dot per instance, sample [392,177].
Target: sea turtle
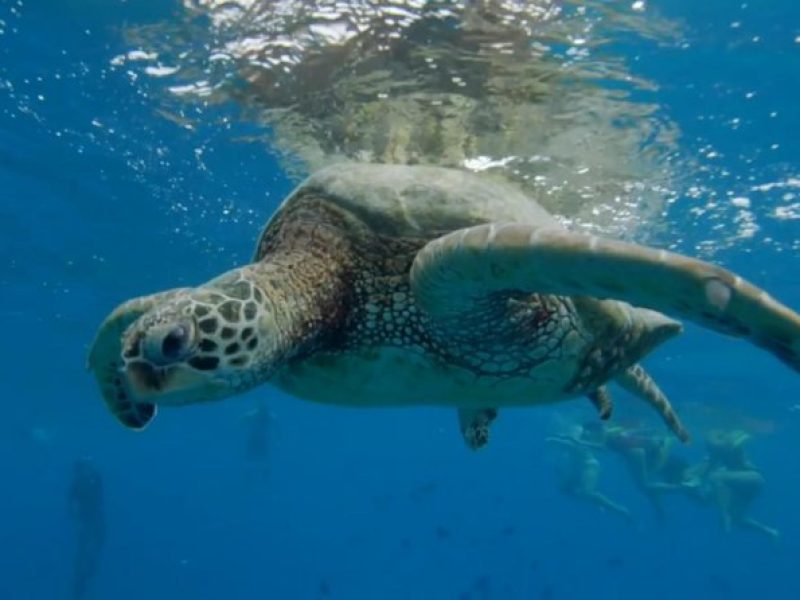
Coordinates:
[378,285]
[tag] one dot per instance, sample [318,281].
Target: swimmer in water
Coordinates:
[648,458]
[580,472]
[733,481]
[258,420]
[85,501]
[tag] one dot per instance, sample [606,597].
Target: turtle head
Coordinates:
[205,344]
[164,361]
[187,345]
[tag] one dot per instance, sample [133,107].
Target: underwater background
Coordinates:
[109,191]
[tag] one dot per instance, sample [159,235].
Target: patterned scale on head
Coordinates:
[171,350]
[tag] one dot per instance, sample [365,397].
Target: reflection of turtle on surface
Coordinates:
[481,85]
[395,285]
[733,481]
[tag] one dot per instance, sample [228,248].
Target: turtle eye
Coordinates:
[175,342]
[167,344]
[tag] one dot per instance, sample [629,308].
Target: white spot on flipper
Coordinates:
[718,294]
[662,256]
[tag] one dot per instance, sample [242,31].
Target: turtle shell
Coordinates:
[413,201]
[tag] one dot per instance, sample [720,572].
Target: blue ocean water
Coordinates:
[103,199]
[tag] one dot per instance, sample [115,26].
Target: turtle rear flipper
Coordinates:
[105,360]
[601,400]
[452,271]
[639,383]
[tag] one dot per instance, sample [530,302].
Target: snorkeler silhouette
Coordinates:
[648,458]
[580,472]
[257,444]
[85,501]
[732,481]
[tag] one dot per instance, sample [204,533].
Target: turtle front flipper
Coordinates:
[105,360]
[639,383]
[474,424]
[452,271]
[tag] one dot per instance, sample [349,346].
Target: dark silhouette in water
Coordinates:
[424,490]
[86,509]
[481,589]
[547,593]
[508,530]
[258,420]
[382,502]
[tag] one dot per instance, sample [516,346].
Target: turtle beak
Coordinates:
[144,379]
[174,385]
